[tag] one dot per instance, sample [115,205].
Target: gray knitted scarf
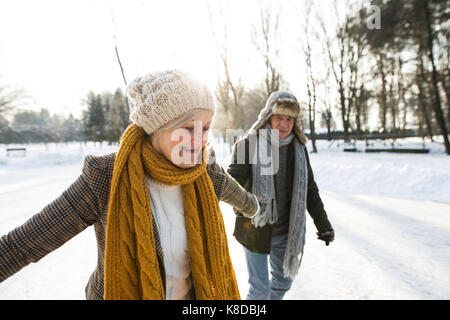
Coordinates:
[264,188]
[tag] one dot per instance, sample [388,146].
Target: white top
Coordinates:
[168,211]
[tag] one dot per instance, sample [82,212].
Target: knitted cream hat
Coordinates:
[161,97]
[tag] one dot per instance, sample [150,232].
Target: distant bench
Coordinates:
[402,150]
[21,152]
[394,150]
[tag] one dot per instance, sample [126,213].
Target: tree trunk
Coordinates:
[423,107]
[437,104]
[313,122]
[447,95]
[392,104]
[313,136]
[343,112]
[405,108]
[311,109]
[329,130]
[383,97]
[358,108]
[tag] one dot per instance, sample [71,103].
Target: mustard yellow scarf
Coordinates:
[131,265]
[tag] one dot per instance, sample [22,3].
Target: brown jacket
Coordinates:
[85,203]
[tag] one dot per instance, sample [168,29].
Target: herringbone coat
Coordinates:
[85,203]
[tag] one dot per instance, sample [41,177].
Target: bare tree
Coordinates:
[266,41]
[402,89]
[10,101]
[382,96]
[311,81]
[229,93]
[442,37]
[9,98]
[117,53]
[338,66]
[326,113]
[437,103]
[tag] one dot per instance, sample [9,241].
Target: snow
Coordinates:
[409,176]
[390,213]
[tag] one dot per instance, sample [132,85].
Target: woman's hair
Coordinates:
[178,122]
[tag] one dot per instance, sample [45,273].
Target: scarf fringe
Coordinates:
[291,265]
[268,214]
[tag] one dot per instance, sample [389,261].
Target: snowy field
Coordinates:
[391,213]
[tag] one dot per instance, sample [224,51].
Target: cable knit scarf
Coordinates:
[263,186]
[131,265]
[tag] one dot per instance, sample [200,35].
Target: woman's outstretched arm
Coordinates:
[231,191]
[74,210]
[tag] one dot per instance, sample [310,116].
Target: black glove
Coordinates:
[327,236]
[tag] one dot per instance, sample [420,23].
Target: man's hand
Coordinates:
[327,236]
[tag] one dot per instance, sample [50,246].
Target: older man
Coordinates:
[285,190]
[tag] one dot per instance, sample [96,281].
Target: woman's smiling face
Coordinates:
[182,144]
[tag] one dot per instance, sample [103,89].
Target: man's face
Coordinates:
[284,124]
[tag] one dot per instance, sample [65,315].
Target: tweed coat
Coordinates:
[85,203]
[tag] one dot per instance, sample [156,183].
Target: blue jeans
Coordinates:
[260,286]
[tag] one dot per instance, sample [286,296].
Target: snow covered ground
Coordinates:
[390,212]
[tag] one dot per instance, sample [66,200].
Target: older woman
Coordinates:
[154,203]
